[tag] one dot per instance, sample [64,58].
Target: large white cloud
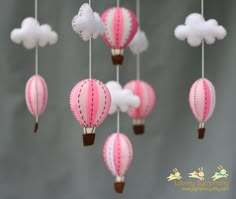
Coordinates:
[139,43]
[197,29]
[87,23]
[32,34]
[121,99]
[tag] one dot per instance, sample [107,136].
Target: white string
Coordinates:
[90,53]
[203,44]
[118,3]
[118,111]
[36,48]
[138,56]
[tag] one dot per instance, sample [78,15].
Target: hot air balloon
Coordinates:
[118,154]
[120,28]
[202,100]
[147,97]
[90,102]
[36,94]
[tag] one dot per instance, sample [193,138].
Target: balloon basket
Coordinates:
[119,187]
[88,139]
[139,129]
[201,133]
[117,59]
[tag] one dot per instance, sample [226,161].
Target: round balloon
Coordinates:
[90,102]
[202,101]
[118,155]
[36,94]
[120,28]
[147,97]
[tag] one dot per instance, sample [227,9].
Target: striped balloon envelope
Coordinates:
[147,97]
[120,28]
[202,101]
[36,94]
[90,101]
[118,155]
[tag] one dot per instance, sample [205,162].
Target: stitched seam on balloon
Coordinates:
[29,97]
[92,100]
[79,107]
[131,26]
[117,28]
[205,104]
[107,35]
[119,155]
[37,95]
[44,94]
[100,120]
[195,99]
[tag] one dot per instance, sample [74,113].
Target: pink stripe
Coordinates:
[139,92]
[117,155]
[29,99]
[116,28]
[207,100]
[45,93]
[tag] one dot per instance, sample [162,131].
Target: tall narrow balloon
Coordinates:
[120,28]
[36,94]
[90,102]
[118,155]
[147,97]
[202,100]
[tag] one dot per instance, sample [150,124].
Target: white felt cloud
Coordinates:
[32,34]
[197,29]
[121,99]
[87,23]
[139,43]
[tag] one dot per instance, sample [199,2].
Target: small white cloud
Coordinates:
[197,29]
[121,99]
[32,34]
[87,23]
[139,43]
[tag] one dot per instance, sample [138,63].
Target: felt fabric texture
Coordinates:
[197,29]
[54,164]
[202,99]
[121,99]
[87,23]
[32,34]
[120,27]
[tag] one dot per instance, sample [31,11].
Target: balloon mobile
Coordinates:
[140,88]
[197,31]
[90,99]
[36,88]
[120,28]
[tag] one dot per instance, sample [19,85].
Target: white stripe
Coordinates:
[110,154]
[126,26]
[213,99]
[109,26]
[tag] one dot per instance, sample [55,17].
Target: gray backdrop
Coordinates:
[54,165]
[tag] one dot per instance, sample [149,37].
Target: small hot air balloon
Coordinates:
[202,100]
[90,102]
[120,28]
[147,97]
[36,94]
[118,155]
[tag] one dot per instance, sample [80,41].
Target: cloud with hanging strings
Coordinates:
[121,99]
[196,29]
[32,34]
[87,23]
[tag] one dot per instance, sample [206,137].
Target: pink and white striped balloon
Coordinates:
[90,101]
[147,97]
[120,28]
[202,100]
[118,155]
[36,94]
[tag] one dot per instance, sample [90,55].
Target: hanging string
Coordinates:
[90,53]
[138,56]
[203,44]
[36,48]
[118,111]
[118,3]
